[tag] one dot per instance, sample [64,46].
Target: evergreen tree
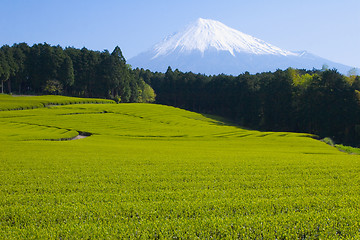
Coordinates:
[11,68]
[4,70]
[21,51]
[66,73]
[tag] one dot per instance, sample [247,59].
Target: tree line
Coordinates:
[321,102]
[45,69]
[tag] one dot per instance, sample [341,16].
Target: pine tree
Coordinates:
[4,70]
[66,73]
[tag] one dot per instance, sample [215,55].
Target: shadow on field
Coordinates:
[221,121]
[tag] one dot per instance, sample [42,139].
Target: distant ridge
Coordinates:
[210,47]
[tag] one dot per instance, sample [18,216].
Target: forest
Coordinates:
[45,69]
[321,102]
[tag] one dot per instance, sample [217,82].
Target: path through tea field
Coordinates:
[152,171]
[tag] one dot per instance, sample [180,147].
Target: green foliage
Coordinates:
[348,149]
[53,87]
[299,80]
[151,171]
[7,65]
[328,141]
[66,72]
[148,94]
[117,99]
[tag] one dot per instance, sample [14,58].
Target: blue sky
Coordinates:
[327,28]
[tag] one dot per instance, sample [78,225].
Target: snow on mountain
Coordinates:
[210,47]
[206,33]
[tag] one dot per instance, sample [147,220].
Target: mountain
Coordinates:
[210,47]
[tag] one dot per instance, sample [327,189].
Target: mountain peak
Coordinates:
[206,34]
[203,21]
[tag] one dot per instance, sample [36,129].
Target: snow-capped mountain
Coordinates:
[205,34]
[210,47]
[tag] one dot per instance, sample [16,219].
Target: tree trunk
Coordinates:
[2,86]
[9,86]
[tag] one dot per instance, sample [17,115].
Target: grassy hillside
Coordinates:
[152,171]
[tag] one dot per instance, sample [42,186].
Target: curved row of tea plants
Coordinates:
[9,102]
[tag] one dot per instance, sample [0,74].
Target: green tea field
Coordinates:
[157,172]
